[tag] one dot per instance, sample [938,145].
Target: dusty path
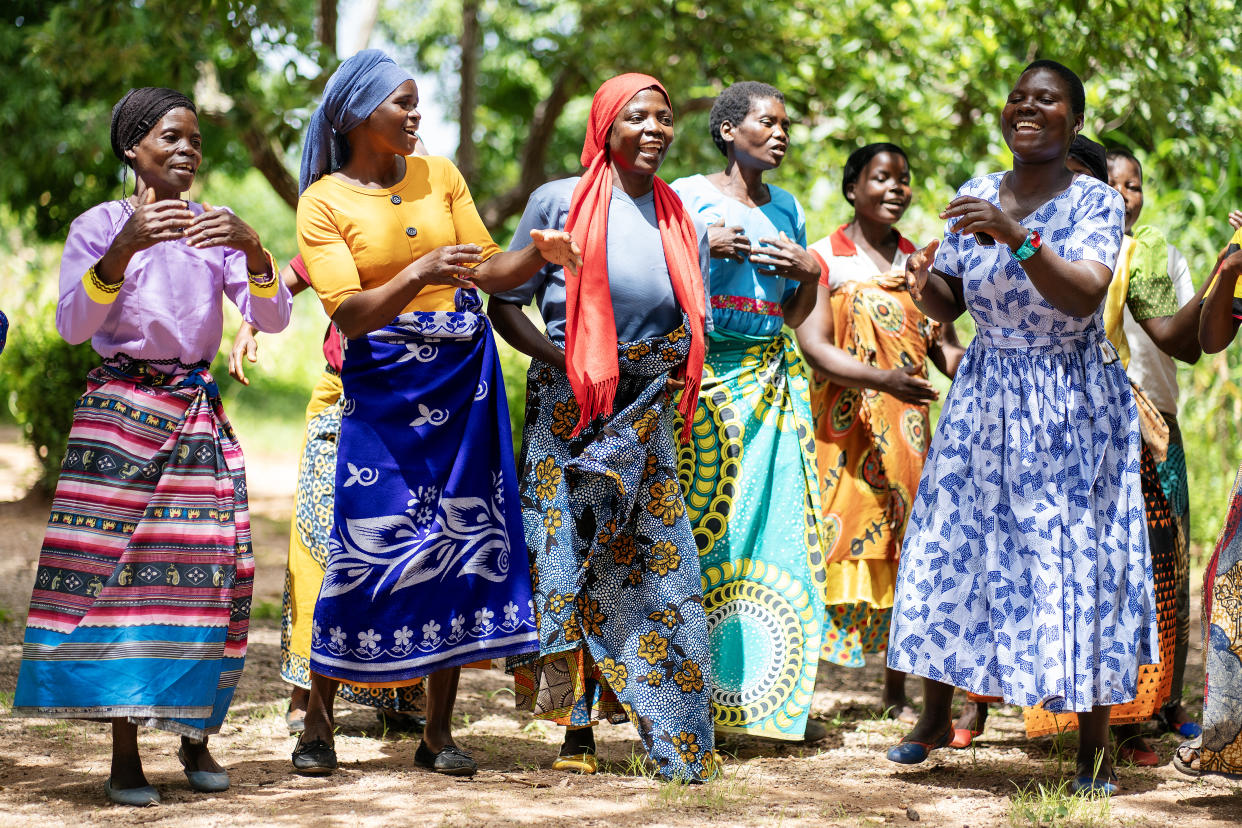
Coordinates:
[52,772]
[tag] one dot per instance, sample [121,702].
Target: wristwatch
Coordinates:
[1029,245]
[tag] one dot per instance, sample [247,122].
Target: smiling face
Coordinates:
[762,139]
[1125,177]
[1038,122]
[882,192]
[393,125]
[641,133]
[167,157]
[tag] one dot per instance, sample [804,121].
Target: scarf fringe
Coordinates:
[595,400]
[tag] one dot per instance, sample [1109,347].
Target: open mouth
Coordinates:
[651,149]
[188,169]
[1026,126]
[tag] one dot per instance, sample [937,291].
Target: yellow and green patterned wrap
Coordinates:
[752,496]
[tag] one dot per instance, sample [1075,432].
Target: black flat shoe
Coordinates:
[394,722]
[450,761]
[316,758]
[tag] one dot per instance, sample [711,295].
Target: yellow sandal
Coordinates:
[578,763]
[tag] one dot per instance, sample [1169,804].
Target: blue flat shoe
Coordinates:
[910,752]
[137,797]
[1187,729]
[1191,730]
[203,781]
[1091,785]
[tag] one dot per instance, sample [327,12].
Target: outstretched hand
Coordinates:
[558,248]
[904,384]
[918,268]
[245,347]
[1235,219]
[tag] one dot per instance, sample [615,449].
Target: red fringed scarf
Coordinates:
[590,329]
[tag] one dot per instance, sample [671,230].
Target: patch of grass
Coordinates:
[5,615]
[265,611]
[721,794]
[60,730]
[1042,806]
[636,764]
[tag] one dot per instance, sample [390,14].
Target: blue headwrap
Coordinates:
[356,87]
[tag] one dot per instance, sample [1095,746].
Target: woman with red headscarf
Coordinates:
[622,630]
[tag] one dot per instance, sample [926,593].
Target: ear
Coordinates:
[726,131]
[131,153]
[1079,122]
[849,191]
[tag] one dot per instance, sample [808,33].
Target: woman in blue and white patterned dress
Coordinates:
[1026,572]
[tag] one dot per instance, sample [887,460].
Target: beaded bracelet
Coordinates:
[266,278]
[99,284]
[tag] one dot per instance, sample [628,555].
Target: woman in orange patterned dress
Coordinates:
[868,345]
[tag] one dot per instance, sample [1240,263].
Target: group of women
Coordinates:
[695,519]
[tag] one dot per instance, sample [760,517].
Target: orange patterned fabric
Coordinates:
[1155,681]
[871,446]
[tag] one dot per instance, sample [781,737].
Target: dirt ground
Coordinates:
[52,772]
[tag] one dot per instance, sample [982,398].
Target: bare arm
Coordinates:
[816,337]
[947,354]
[515,327]
[245,346]
[1178,335]
[1075,288]
[372,309]
[1217,325]
[798,306]
[936,294]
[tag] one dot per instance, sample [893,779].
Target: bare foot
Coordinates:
[198,757]
[899,709]
[973,717]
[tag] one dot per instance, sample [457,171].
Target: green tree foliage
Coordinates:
[252,66]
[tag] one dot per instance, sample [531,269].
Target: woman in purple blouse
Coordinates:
[141,601]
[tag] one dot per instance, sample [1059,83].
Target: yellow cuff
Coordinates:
[265,288]
[99,291]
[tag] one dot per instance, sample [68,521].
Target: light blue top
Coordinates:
[643,303]
[745,299]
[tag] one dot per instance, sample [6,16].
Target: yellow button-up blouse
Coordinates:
[354,238]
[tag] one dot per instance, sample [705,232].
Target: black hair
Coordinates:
[138,112]
[860,158]
[1118,153]
[1090,155]
[733,105]
[1078,95]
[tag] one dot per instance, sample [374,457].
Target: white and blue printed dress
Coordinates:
[1025,571]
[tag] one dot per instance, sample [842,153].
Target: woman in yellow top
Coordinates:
[426,563]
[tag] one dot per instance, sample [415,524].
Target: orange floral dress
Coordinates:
[871,446]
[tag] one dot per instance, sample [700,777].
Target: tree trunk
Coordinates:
[534,151]
[325,26]
[360,38]
[467,156]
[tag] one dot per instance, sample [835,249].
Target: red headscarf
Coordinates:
[590,329]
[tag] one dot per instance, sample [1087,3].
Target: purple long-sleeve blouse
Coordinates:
[169,307]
